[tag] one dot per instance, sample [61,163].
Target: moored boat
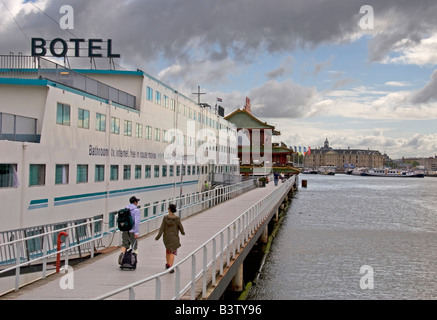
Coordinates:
[76,144]
[393,173]
[328,170]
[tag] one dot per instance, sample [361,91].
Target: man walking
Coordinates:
[129,238]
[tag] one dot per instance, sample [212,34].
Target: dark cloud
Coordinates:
[217,30]
[283,99]
[427,93]
[285,69]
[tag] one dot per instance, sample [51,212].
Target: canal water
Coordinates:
[350,237]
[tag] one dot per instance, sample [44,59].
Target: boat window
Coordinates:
[82,173]
[128,128]
[148,171]
[83,119]
[114,172]
[37,174]
[138,130]
[148,132]
[158,97]
[63,114]
[126,172]
[8,175]
[138,171]
[149,94]
[115,125]
[99,174]
[61,174]
[100,122]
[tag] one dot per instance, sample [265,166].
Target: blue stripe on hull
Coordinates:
[60,201]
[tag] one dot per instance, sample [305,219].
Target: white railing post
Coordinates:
[221,252]
[240,235]
[205,267]
[67,245]
[214,255]
[233,241]
[92,237]
[131,294]
[158,289]
[177,285]
[18,261]
[193,277]
[44,262]
[228,254]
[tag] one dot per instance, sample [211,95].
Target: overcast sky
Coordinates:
[312,68]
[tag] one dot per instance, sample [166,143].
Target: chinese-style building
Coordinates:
[254,138]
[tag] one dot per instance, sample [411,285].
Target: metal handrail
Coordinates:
[246,224]
[39,67]
[46,255]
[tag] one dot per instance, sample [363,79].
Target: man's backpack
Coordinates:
[125,220]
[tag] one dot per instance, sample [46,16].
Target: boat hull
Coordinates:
[415,175]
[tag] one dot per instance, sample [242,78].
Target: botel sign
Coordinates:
[39,48]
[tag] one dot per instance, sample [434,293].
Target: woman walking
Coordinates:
[170,227]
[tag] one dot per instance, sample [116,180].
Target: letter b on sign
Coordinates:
[366,281]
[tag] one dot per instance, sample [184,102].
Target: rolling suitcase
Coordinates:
[129,260]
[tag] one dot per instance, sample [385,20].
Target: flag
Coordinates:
[219,100]
[247,107]
[304,150]
[309,150]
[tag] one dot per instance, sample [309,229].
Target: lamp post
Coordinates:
[253,167]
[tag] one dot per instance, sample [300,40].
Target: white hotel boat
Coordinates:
[77,144]
[393,173]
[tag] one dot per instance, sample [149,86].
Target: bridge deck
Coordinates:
[102,274]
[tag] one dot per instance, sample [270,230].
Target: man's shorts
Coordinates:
[127,239]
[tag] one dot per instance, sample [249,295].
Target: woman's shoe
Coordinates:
[167,266]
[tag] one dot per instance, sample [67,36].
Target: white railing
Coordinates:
[210,257]
[14,251]
[45,238]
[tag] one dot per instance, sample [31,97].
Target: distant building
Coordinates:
[340,158]
[429,163]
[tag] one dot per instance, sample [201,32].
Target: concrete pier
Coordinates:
[101,275]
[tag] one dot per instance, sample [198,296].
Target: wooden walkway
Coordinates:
[102,274]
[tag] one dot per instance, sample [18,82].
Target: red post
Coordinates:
[58,257]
